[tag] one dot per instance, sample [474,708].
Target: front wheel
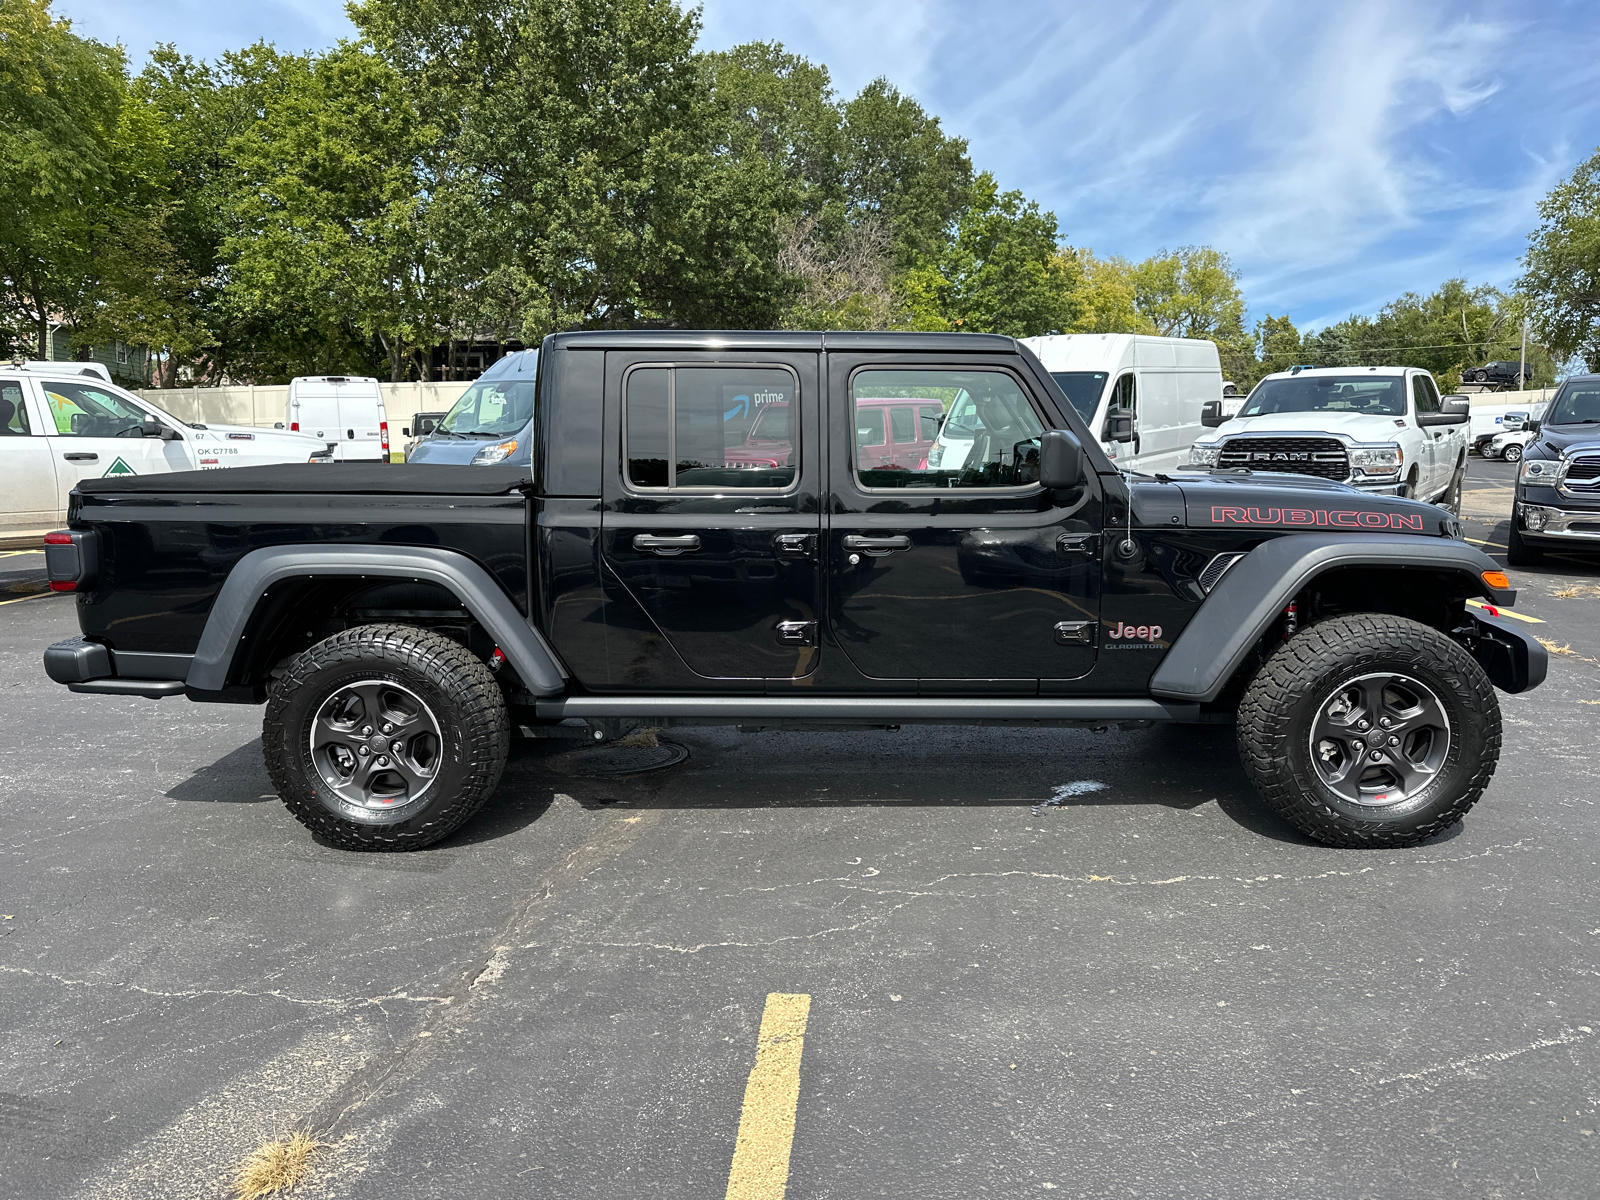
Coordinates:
[385,737]
[1451,500]
[1512,453]
[1370,731]
[1518,552]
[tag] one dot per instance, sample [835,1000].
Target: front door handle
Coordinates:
[81,456]
[876,546]
[666,546]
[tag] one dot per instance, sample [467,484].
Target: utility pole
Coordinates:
[1522,367]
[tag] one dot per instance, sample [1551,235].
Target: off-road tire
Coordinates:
[459,690]
[1518,552]
[1512,453]
[1280,703]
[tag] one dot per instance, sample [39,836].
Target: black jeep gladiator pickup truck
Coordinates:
[796,530]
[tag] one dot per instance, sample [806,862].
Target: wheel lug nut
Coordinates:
[1376,756]
[1394,741]
[365,751]
[388,728]
[383,760]
[1386,722]
[1364,725]
[367,730]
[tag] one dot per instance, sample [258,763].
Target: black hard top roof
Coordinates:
[361,478]
[758,339]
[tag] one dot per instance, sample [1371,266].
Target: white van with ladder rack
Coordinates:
[346,411]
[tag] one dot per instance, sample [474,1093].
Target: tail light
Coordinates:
[383,432]
[294,426]
[72,559]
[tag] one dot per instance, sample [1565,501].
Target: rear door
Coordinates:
[361,421]
[95,431]
[719,550]
[964,578]
[28,498]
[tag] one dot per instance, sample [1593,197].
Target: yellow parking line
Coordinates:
[1506,612]
[14,553]
[760,1168]
[35,596]
[1481,542]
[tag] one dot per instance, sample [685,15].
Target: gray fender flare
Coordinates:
[1256,590]
[535,662]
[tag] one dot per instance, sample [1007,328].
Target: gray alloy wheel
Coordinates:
[1512,452]
[376,745]
[1379,739]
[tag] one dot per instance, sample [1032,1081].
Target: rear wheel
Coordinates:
[385,737]
[1370,731]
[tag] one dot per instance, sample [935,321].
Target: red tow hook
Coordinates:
[497,659]
[1291,621]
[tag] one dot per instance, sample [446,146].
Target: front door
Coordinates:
[94,431]
[959,572]
[711,523]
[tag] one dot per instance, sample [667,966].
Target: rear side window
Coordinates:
[692,428]
[984,430]
[13,409]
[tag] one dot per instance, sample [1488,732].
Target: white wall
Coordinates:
[263,406]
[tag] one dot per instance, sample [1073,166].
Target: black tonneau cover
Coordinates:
[366,478]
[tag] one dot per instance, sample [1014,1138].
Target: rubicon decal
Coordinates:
[1336,518]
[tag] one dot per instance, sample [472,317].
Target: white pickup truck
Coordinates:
[1381,429]
[60,423]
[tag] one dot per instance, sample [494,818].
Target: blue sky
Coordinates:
[1340,153]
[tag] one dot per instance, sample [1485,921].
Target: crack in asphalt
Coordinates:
[330,1002]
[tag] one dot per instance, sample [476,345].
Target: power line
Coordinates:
[1442,346]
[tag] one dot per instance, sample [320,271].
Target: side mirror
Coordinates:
[1456,405]
[1060,459]
[1121,426]
[1531,426]
[1211,414]
[149,427]
[405,431]
[277,424]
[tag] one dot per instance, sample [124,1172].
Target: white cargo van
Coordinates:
[1162,383]
[344,410]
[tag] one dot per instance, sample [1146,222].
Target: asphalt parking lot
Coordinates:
[1150,988]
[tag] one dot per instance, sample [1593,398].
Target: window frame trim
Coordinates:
[995,368]
[672,367]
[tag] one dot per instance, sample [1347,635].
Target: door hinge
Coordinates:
[797,543]
[797,633]
[1078,543]
[1074,633]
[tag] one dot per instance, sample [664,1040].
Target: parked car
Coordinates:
[399,624]
[1162,384]
[1509,445]
[60,425]
[1504,373]
[421,426]
[345,410]
[1557,502]
[1382,429]
[491,423]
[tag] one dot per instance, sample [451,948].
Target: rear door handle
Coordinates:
[666,546]
[81,456]
[876,545]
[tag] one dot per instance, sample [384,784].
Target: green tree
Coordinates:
[60,105]
[330,217]
[1278,346]
[1107,296]
[1002,272]
[1562,266]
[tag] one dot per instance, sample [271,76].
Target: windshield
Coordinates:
[1367,395]
[491,407]
[1083,388]
[1578,404]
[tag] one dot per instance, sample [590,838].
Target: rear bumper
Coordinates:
[96,669]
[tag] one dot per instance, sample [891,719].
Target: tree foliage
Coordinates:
[1562,278]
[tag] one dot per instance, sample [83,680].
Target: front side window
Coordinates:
[1422,391]
[13,409]
[1368,395]
[491,408]
[985,432]
[83,410]
[711,428]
